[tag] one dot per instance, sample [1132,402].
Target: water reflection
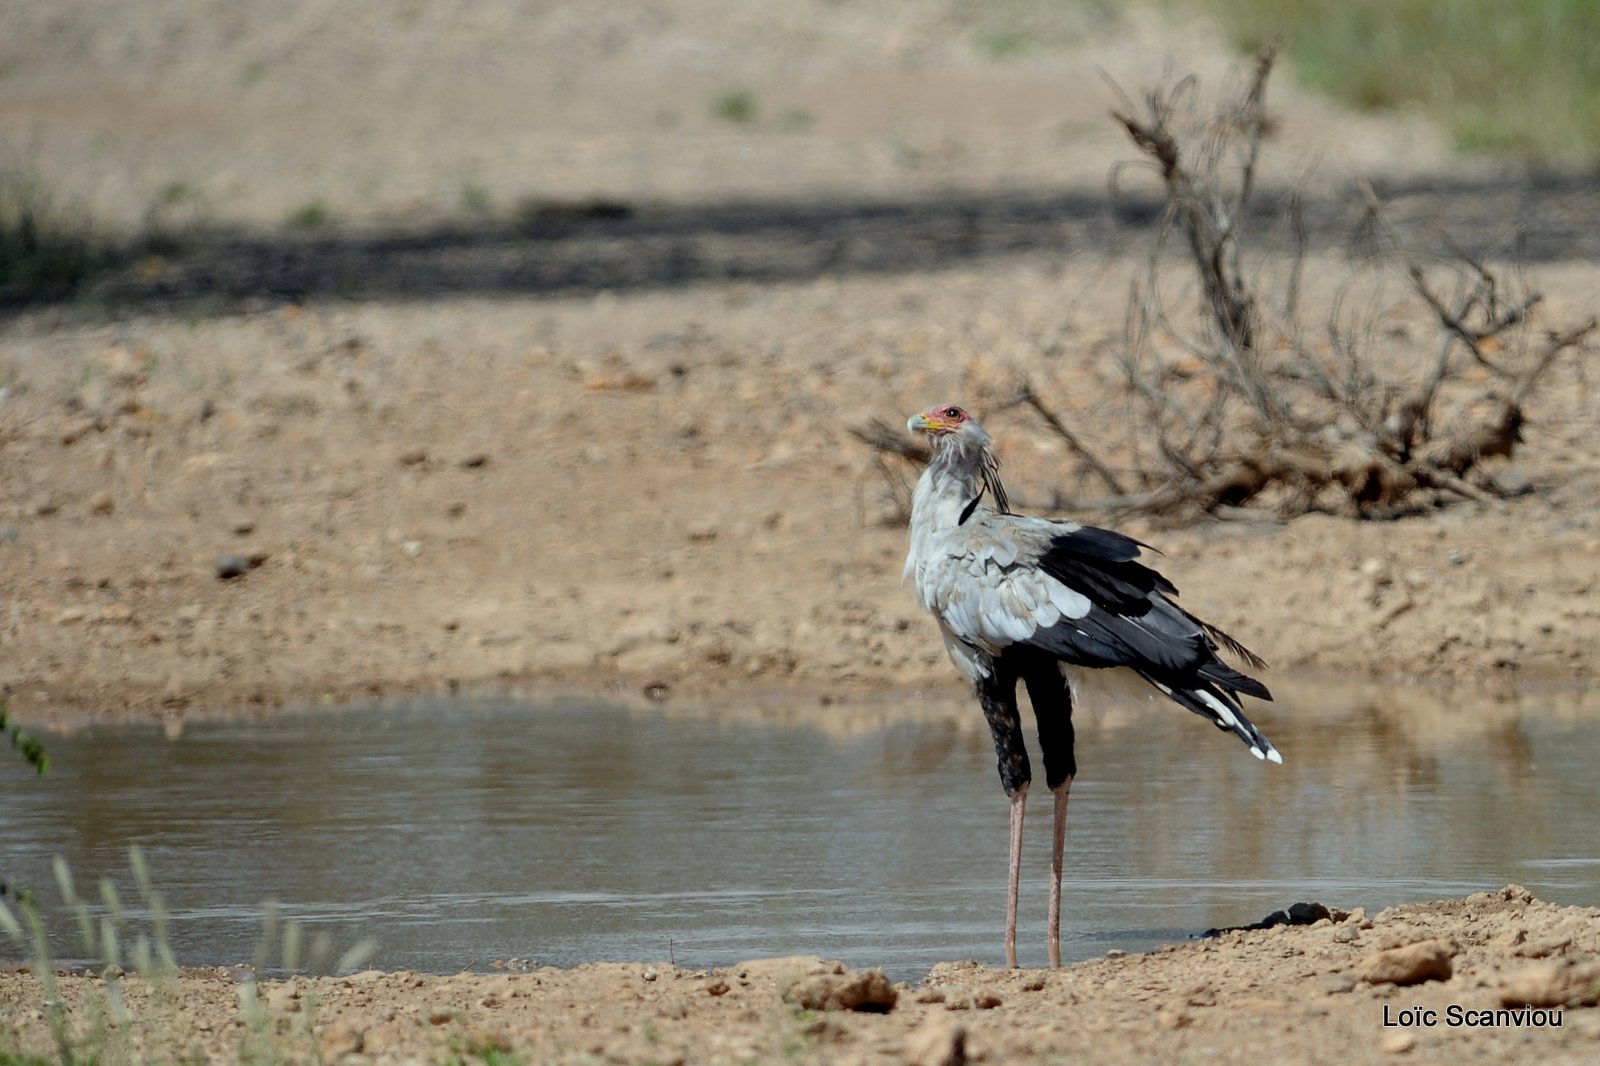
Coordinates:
[459,833]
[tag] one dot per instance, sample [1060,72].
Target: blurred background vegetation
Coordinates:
[1520,77]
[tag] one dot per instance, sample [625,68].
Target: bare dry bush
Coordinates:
[1268,411]
[1246,403]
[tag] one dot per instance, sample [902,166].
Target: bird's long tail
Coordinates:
[1219,704]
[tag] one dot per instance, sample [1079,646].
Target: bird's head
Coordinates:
[958,442]
[949,424]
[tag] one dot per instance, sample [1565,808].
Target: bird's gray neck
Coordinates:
[950,485]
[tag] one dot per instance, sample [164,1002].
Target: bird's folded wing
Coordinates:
[1075,591]
[984,581]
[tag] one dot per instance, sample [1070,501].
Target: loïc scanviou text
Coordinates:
[1456,1016]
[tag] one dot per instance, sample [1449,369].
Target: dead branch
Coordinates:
[880,436]
[1210,221]
[1270,420]
[1026,395]
[1262,414]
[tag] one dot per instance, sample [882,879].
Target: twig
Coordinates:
[1443,479]
[1556,344]
[1026,395]
[883,437]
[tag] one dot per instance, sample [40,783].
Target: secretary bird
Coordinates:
[1027,599]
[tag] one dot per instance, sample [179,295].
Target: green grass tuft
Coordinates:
[735,105]
[95,1023]
[25,743]
[474,198]
[47,249]
[1002,43]
[309,216]
[480,1053]
[1521,79]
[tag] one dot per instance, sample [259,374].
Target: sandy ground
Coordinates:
[1347,989]
[646,478]
[475,433]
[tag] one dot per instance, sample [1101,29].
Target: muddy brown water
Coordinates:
[466,834]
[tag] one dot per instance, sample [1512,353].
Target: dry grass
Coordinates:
[1517,78]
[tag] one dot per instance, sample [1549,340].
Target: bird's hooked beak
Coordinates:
[931,422]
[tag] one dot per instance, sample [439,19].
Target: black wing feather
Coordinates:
[1131,621]
[1100,564]
[1241,726]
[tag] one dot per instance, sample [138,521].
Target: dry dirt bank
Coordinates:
[657,490]
[437,479]
[1317,993]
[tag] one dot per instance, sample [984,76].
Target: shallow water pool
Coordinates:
[462,834]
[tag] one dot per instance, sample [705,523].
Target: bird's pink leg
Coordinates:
[1057,845]
[1019,800]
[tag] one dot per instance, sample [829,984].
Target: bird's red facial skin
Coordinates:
[942,419]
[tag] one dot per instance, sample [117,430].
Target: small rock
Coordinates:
[74,430]
[285,999]
[938,1041]
[1115,953]
[1397,1043]
[1335,984]
[242,526]
[785,970]
[102,503]
[650,973]
[231,566]
[1544,947]
[1258,1003]
[1409,965]
[1345,934]
[123,367]
[340,1038]
[442,1015]
[475,461]
[1173,1019]
[1516,481]
[413,456]
[69,615]
[717,987]
[411,548]
[863,990]
[1564,984]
